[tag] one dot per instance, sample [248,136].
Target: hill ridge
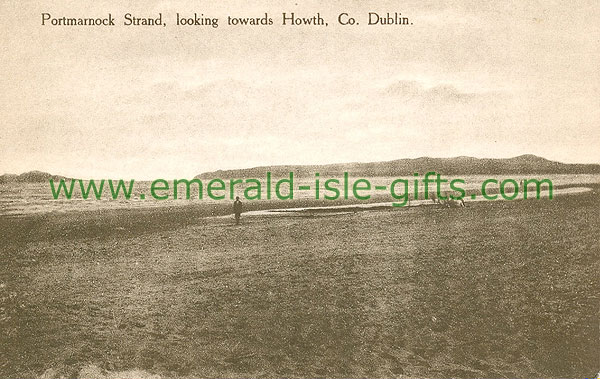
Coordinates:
[461,165]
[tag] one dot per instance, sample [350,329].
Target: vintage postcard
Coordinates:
[299,189]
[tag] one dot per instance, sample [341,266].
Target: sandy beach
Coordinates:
[496,289]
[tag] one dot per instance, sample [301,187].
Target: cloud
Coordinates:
[441,93]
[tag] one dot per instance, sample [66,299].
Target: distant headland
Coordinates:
[29,177]
[523,164]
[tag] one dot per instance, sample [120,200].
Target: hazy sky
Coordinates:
[467,78]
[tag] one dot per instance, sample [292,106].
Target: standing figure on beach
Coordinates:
[237,210]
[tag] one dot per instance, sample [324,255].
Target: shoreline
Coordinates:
[219,208]
[133,221]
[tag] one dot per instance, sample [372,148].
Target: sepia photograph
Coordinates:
[299,189]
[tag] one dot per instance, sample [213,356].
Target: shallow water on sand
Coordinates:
[413,203]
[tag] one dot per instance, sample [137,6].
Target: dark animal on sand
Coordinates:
[448,202]
[453,203]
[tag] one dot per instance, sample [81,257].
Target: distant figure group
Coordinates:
[237,210]
[453,203]
[448,202]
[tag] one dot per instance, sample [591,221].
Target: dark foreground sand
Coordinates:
[506,289]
